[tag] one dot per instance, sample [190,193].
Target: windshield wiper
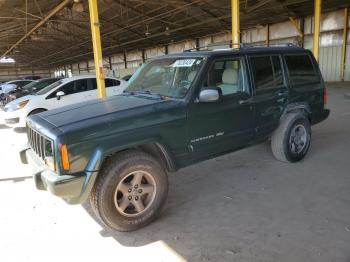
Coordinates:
[148,92]
[128,92]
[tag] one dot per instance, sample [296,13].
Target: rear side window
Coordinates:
[111,82]
[301,70]
[92,84]
[267,71]
[277,70]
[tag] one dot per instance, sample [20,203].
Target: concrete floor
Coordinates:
[245,206]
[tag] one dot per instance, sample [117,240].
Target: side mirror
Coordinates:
[209,95]
[59,94]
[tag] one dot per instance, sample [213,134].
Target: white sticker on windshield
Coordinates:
[184,63]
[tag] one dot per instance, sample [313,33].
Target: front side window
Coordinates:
[227,75]
[300,69]
[170,77]
[80,86]
[68,88]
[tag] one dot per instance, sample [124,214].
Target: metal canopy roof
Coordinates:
[126,24]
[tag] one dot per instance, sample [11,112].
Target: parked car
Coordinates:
[8,86]
[11,85]
[178,110]
[67,91]
[33,77]
[31,88]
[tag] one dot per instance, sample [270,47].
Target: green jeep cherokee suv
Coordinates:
[178,109]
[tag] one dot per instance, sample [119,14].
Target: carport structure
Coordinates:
[56,33]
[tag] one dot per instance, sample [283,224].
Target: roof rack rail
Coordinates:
[248,45]
[206,47]
[241,46]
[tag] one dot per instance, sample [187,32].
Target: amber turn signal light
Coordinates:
[65,157]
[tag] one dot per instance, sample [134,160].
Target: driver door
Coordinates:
[227,124]
[74,93]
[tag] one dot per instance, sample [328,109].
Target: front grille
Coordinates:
[42,146]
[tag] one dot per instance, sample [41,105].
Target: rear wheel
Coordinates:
[130,191]
[291,141]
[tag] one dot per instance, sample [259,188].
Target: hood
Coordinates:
[8,87]
[105,111]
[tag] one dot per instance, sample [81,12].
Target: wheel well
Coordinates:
[36,109]
[298,108]
[154,149]
[158,152]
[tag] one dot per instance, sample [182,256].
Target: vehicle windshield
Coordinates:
[170,77]
[49,88]
[39,85]
[30,85]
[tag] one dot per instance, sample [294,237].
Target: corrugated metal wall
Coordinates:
[10,73]
[330,58]
[332,24]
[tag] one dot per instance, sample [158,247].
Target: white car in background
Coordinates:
[61,93]
[11,85]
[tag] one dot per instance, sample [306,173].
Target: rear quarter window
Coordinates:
[301,69]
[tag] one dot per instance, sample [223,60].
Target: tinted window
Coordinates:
[226,74]
[111,82]
[81,85]
[277,70]
[68,88]
[300,69]
[262,72]
[92,84]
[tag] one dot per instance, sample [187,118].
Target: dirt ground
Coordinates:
[245,206]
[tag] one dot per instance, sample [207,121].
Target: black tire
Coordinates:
[282,142]
[114,171]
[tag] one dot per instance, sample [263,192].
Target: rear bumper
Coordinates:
[321,116]
[74,189]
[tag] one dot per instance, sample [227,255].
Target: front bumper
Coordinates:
[15,118]
[74,189]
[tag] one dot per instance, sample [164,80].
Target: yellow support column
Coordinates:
[317,22]
[343,50]
[96,42]
[267,40]
[235,23]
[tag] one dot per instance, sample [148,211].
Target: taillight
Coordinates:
[64,157]
[325,96]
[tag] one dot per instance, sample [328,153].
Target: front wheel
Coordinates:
[130,191]
[291,141]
